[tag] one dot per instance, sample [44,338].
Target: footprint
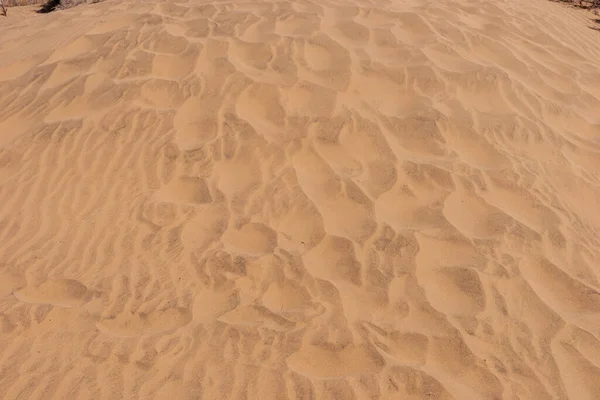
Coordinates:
[10,281]
[317,56]
[472,147]
[257,316]
[236,177]
[209,305]
[252,239]
[327,62]
[250,55]
[453,291]
[308,99]
[297,24]
[568,296]
[448,251]
[62,293]
[260,105]
[346,211]
[207,226]
[453,360]
[160,214]
[382,90]
[172,10]
[197,28]
[415,214]
[412,29]
[448,59]
[286,296]
[138,324]
[520,204]
[473,217]
[82,45]
[162,93]
[136,65]
[185,189]
[174,66]
[324,363]
[352,34]
[195,123]
[162,42]
[334,260]
[62,74]
[404,348]
[294,216]
[413,384]
[419,134]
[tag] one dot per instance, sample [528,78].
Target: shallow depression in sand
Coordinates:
[300,200]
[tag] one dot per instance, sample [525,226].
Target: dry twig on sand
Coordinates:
[53,5]
[589,4]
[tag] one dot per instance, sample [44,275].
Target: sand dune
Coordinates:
[300,200]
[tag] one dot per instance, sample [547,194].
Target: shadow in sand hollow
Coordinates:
[586,4]
[49,6]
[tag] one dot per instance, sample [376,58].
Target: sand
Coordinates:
[300,200]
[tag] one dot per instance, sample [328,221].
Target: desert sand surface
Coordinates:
[300,200]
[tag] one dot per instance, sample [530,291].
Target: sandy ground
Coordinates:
[300,200]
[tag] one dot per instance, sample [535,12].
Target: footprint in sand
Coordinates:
[139,324]
[406,348]
[454,291]
[10,281]
[61,293]
[325,363]
[251,239]
[209,305]
[473,217]
[255,316]
[186,189]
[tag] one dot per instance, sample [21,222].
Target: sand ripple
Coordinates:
[333,200]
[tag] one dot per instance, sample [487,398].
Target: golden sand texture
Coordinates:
[300,200]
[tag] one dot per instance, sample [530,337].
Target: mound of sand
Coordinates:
[298,200]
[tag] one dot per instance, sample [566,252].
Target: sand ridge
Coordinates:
[332,200]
